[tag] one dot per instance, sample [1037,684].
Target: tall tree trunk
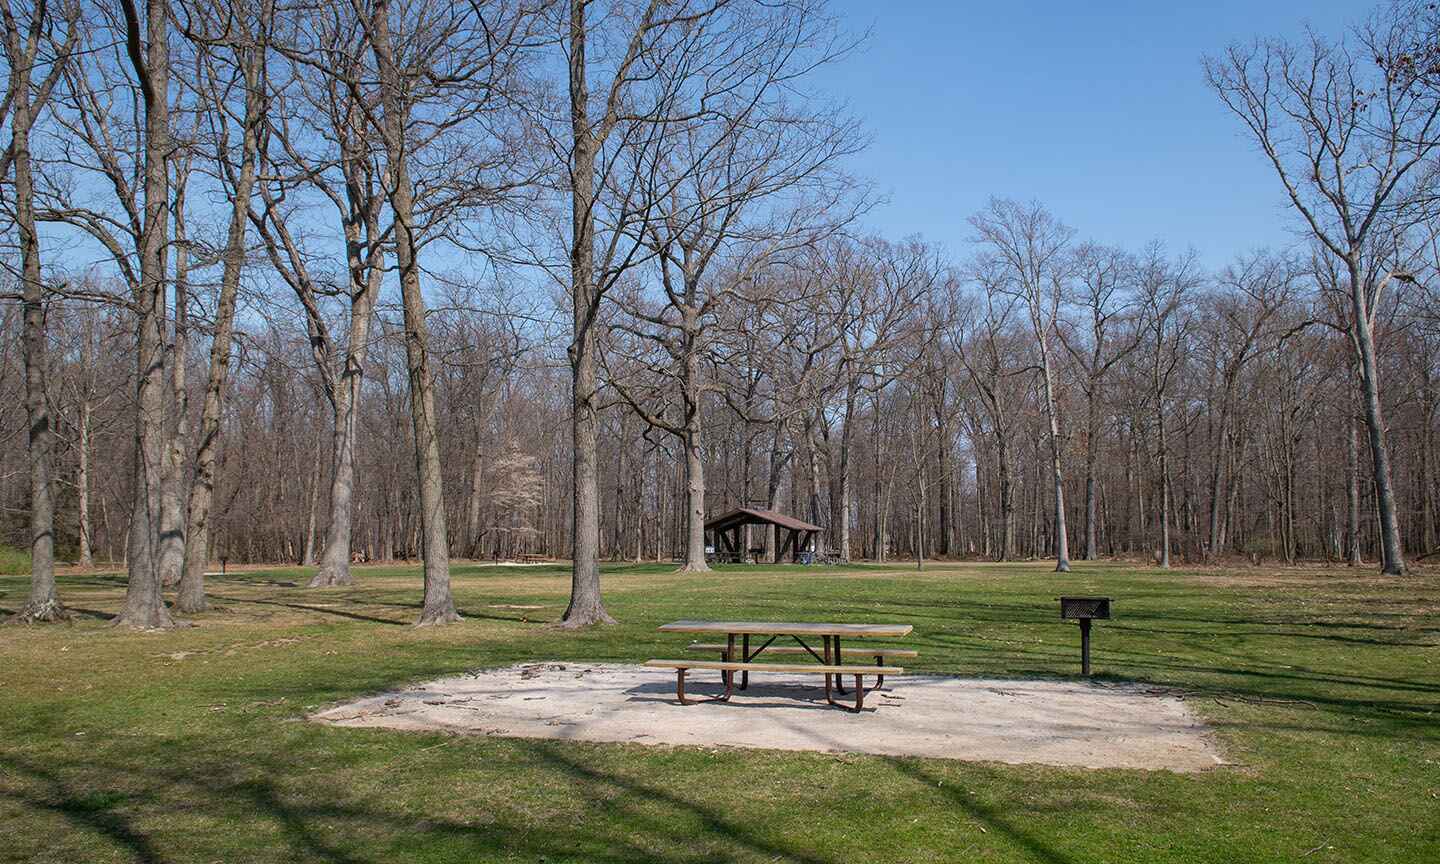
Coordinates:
[1352,492]
[982,510]
[877,450]
[694,461]
[172,507]
[773,478]
[1427,482]
[44,602]
[585,607]
[842,508]
[694,502]
[365,273]
[472,510]
[150,56]
[438,606]
[313,503]
[1164,483]
[812,474]
[946,536]
[191,596]
[1216,495]
[1062,541]
[1007,497]
[1217,473]
[82,484]
[1092,457]
[1392,561]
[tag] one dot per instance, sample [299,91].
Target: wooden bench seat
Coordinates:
[796,649]
[729,667]
[878,653]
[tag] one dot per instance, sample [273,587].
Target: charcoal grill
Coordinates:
[1084,610]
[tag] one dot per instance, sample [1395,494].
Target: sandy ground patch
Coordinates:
[1047,722]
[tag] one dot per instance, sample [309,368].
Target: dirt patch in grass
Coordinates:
[1018,721]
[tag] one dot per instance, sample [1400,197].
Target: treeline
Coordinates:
[1264,431]
[344,280]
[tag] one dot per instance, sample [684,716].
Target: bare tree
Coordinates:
[878,289]
[1106,336]
[1252,291]
[1029,246]
[457,64]
[35,55]
[177,407]
[744,178]
[438,607]
[112,122]
[230,53]
[329,102]
[1165,287]
[985,340]
[1347,140]
[634,100]
[150,58]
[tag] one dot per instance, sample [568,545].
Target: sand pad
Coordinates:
[1047,722]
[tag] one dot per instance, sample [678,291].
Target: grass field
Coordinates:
[13,560]
[1322,685]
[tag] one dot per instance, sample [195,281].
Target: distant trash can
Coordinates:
[807,557]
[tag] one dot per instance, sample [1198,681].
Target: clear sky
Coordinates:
[1098,109]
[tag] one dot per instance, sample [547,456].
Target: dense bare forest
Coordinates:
[338,280]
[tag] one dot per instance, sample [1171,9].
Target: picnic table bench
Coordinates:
[831,663]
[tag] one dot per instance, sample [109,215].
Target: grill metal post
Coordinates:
[1084,610]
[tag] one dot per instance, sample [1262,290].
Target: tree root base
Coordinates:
[589,618]
[439,618]
[151,621]
[329,579]
[48,612]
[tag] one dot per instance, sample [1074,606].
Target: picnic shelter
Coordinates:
[794,535]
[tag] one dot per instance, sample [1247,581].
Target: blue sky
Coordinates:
[1099,109]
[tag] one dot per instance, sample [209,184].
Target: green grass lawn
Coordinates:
[13,560]
[1322,686]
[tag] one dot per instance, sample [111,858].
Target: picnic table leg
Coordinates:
[859,695]
[680,689]
[727,675]
[880,681]
[839,688]
[745,656]
[826,640]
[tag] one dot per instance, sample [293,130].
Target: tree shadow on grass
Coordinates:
[97,614]
[464,612]
[93,810]
[319,825]
[1298,632]
[320,610]
[986,815]
[715,821]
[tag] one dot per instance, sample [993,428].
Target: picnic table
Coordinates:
[830,659]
